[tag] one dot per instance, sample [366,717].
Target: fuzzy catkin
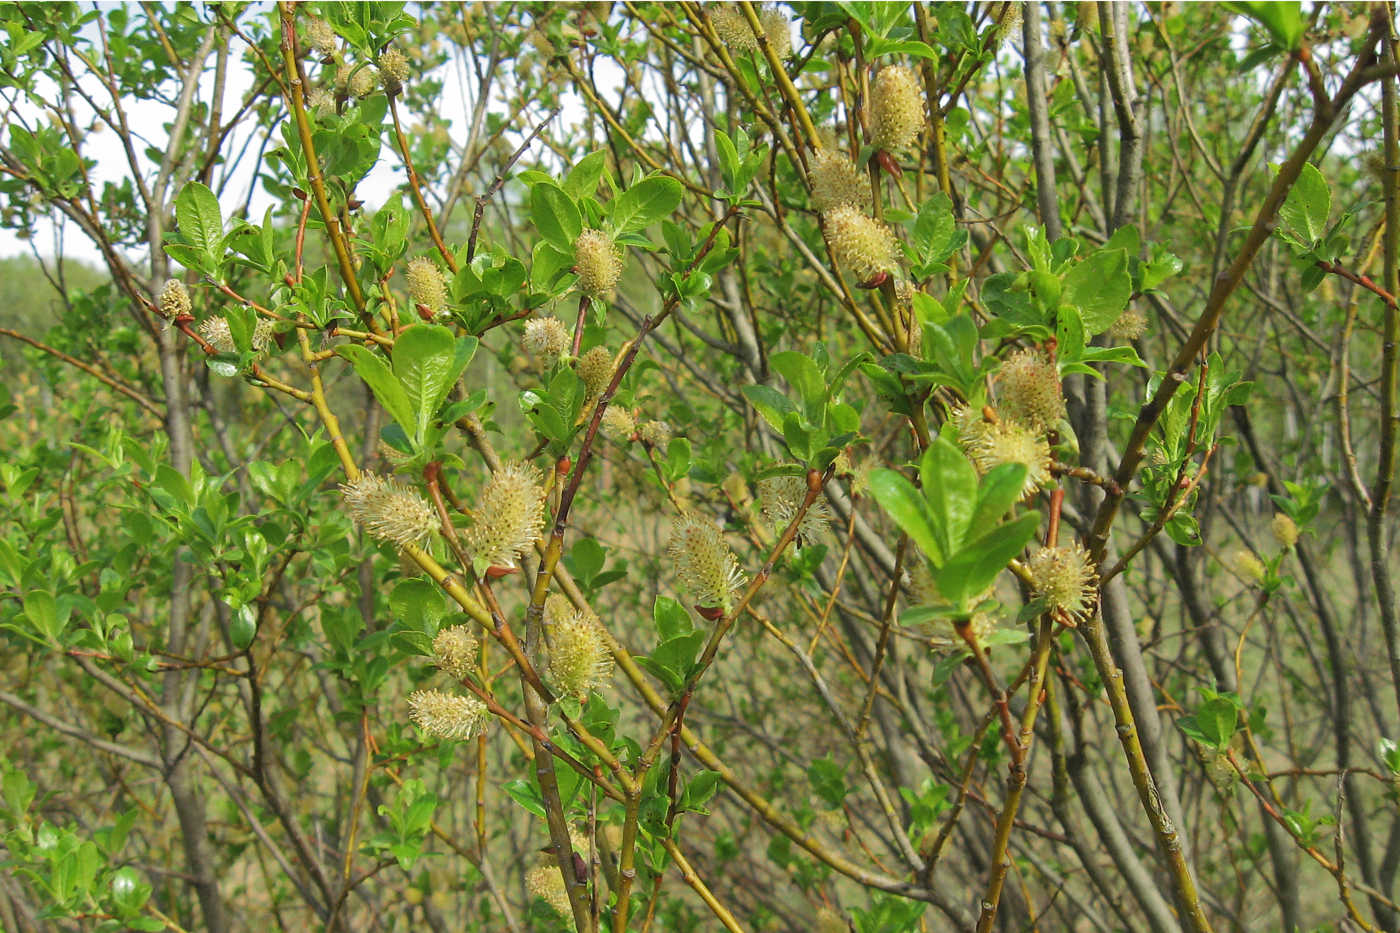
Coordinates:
[595,368]
[579,659]
[174,300]
[781,497]
[447,715]
[863,246]
[1028,389]
[454,651]
[836,182]
[508,517]
[547,339]
[393,71]
[705,566]
[388,510]
[426,286]
[896,109]
[990,444]
[598,261]
[1065,577]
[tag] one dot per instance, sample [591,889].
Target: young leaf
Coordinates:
[201,223]
[645,203]
[555,215]
[370,367]
[1100,288]
[428,360]
[950,486]
[910,511]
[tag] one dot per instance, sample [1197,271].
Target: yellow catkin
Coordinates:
[598,261]
[547,339]
[1284,530]
[393,71]
[174,300]
[1065,577]
[426,286]
[705,566]
[862,245]
[447,715]
[508,517]
[595,368]
[780,498]
[454,651]
[389,510]
[1028,389]
[836,182]
[579,659]
[896,109]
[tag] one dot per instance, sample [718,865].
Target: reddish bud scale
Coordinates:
[710,613]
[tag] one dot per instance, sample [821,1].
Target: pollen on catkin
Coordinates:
[393,71]
[731,27]
[215,332]
[1006,441]
[655,434]
[836,182]
[447,715]
[1284,530]
[780,498]
[706,567]
[1131,324]
[775,30]
[546,883]
[862,245]
[619,424]
[579,659]
[389,510]
[174,300]
[322,37]
[896,109]
[831,921]
[1066,579]
[1245,564]
[595,368]
[508,517]
[426,286]
[598,261]
[546,339]
[362,83]
[454,651]
[1028,389]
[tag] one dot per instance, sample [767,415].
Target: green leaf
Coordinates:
[1217,719]
[370,367]
[428,361]
[583,178]
[555,215]
[670,617]
[1307,206]
[910,511]
[771,404]
[1099,287]
[828,782]
[645,203]
[527,795]
[804,376]
[974,568]
[1284,21]
[999,490]
[950,486]
[200,222]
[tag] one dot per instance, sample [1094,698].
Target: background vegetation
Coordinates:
[896,709]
